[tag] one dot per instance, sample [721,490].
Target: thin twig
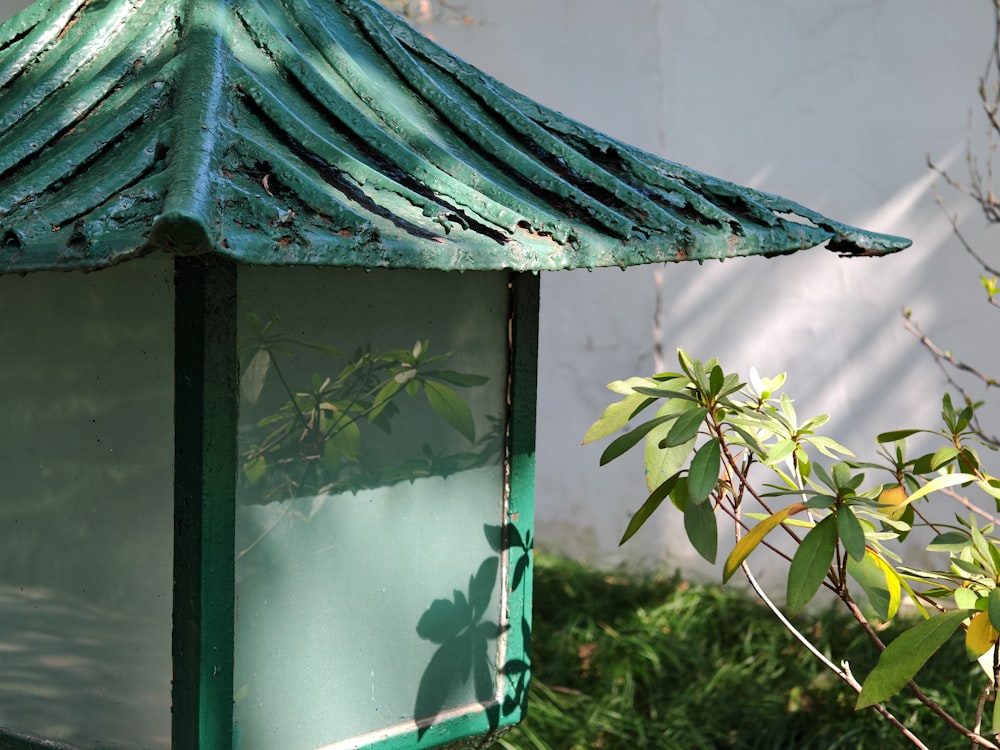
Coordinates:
[947,356]
[969,505]
[843,671]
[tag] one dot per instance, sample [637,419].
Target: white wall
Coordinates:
[832,104]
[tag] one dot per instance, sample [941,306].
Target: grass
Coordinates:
[639,661]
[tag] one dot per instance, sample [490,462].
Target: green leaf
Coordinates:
[701,528]
[383,398]
[703,474]
[942,456]
[451,407]
[747,544]
[852,536]
[255,468]
[463,379]
[622,443]
[324,348]
[667,393]
[993,608]
[906,655]
[981,551]
[686,426]
[679,494]
[811,563]
[950,541]
[716,381]
[344,441]
[687,365]
[892,437]
[255,376]
[823,477]
[656,497]
[749,439]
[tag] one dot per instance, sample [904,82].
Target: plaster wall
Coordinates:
[833,104]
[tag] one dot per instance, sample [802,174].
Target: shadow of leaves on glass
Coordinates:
[464,637]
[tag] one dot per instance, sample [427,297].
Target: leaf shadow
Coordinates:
[464,633]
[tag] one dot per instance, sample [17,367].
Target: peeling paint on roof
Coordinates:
[285,132]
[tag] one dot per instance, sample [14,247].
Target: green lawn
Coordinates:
[627,661]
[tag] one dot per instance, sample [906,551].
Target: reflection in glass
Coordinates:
[372,418]
[86,415]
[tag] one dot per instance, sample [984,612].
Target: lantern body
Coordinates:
[353,453]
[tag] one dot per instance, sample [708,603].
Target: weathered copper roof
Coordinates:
[329,133]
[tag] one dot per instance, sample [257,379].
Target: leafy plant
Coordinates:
[310,438]
[706,444]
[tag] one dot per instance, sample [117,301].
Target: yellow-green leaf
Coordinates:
[618,414]
[253,378]
[662,463]
[747,544]
[939,483]
[880,583]
[980,636]
[893,582]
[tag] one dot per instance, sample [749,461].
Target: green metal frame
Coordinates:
[206,403]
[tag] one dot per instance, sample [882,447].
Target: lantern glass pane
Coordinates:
[369,502]
[86,407]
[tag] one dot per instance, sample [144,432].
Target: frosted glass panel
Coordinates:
[370,500]
[86,417]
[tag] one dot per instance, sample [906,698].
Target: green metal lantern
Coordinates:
[314,530]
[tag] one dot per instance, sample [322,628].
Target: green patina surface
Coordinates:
[295,132]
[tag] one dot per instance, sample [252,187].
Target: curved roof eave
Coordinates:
[286,132]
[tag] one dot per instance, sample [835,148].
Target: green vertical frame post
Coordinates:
[519,532]
[206,406]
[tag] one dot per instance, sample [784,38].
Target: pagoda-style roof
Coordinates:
[329,132]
